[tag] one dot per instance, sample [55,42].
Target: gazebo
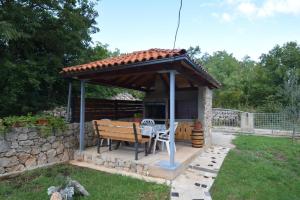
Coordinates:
[164,75]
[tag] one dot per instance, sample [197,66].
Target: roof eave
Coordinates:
[184,57]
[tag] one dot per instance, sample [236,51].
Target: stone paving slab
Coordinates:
[194,183]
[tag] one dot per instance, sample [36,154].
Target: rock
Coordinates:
[65,156]
[52,189]
[23,157]
[98,160]
[13,161]
[51,156]
[60,149]
[51,139]
[2,171]
[11,136]
[79,156]
[4,146]
[31,162]
[139,169]
[56,144]
[26,149]
[42,159]
[133,167]
[14,145]
[46,147]
[4,162]
[51,153]
[78,187]
[67,192]
[10,153]
[33,135]
[26,143]
[22,137]
[35,150]
[15,168]
[56,196]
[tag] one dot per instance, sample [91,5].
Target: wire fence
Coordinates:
[276,121]
[250,122]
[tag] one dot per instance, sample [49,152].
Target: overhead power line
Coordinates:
[178,24]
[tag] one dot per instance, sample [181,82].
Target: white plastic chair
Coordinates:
[148,122]
[164,138]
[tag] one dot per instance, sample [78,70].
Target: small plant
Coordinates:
[137,115]
[47,124]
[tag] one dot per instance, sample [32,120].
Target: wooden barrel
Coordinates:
[197,138]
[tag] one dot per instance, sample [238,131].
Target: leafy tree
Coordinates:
[277,63]
[38,38]
[225,68]
[250,85]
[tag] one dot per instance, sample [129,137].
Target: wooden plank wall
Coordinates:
[105,109]
[184,130]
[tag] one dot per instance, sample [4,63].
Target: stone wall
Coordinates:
[205,112]
[110,161]
[25,148]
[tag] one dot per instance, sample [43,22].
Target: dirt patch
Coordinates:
[153,196]
[279,156]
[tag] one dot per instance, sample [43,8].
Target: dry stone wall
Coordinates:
[25,148]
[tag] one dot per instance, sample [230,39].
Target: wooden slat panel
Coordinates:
[117,129]
[103,108]
[184,131]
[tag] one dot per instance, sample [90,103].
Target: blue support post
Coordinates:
[172,118]
[82,115]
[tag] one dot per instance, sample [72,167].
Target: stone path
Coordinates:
[195,182]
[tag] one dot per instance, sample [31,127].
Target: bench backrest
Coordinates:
[117,129]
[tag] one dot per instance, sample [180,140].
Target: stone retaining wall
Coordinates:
[112,162]
[24,148]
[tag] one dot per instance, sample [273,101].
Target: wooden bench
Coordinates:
[120,131]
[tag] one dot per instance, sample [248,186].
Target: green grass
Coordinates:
[260,168]
[33,185]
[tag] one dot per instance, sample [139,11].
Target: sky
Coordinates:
[241,27]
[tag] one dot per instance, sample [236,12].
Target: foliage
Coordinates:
[259,168]
[38,38]
[33,184]
[137,115]
[52,124]
[292,93]
[250,85]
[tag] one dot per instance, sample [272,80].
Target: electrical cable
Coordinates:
[178,24]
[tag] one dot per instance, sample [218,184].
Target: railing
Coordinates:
[226,117]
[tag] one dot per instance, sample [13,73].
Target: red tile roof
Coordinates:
[135,57]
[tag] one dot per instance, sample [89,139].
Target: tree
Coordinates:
[292,93]
[226,69]
[38,38]
[277,63]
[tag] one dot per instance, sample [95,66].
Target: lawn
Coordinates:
[33,185]
[260,168]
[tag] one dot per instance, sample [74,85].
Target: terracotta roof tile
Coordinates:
[135,57]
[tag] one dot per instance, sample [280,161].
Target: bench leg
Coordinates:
[146,148]
[118,145]
[136,145]
[110,141]
[98,144]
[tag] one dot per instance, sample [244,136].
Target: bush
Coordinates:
[47,124]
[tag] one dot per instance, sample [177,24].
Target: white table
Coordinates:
[152,131]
